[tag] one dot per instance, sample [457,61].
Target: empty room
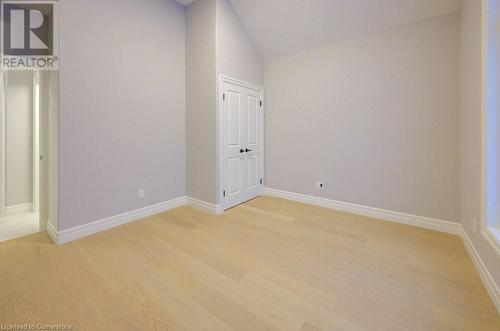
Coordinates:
[309,165]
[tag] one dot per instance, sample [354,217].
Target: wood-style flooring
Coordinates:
[269,264]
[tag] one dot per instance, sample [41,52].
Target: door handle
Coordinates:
[242,151]
[248,150]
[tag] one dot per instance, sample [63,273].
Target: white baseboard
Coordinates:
[383,214]
[419,221]
[24,208]
[205,206]
[484,273]
[65,236]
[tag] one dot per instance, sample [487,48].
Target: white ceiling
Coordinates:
[185,2]
[280,27]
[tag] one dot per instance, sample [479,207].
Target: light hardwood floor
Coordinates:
[270,264]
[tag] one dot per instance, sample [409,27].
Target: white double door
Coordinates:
[243,133]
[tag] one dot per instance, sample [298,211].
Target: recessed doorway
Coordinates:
[241,113]
[22,140]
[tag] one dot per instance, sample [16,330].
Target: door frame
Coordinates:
[220,175]
[3,106]
[36,140]
[40,112]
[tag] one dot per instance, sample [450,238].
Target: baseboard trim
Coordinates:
[204,206]
[383,214]
[65,236]
[24,208]
[484,273]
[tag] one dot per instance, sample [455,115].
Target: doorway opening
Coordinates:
[241,141]
[22,142]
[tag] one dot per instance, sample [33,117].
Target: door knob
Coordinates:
[242,151]
[248,150]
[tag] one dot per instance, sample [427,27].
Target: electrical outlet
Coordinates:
[320,185]
[140,194]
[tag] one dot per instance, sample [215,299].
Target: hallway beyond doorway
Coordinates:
[19,225]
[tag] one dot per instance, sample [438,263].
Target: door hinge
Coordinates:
[223,96]
[261,181]
[224,193]
[261,103]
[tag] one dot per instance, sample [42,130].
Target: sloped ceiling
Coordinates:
[281,27]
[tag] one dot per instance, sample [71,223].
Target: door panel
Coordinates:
[242,126]
[253,173]
[233,140]
[234,176]
[235,136]
[252,120]
[253,145]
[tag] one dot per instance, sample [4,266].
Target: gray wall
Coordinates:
[201,101]
[19,138]
[375,118]
[122,107]
[471,134]
[237,55]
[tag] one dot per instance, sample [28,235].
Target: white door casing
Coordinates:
[3,104]
[36,141]
[242,136]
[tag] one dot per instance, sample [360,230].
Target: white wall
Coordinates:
[375,118]
[122,107]
[201,100]
[471,164]
[19,138]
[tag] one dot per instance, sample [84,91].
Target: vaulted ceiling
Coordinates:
[280,27]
